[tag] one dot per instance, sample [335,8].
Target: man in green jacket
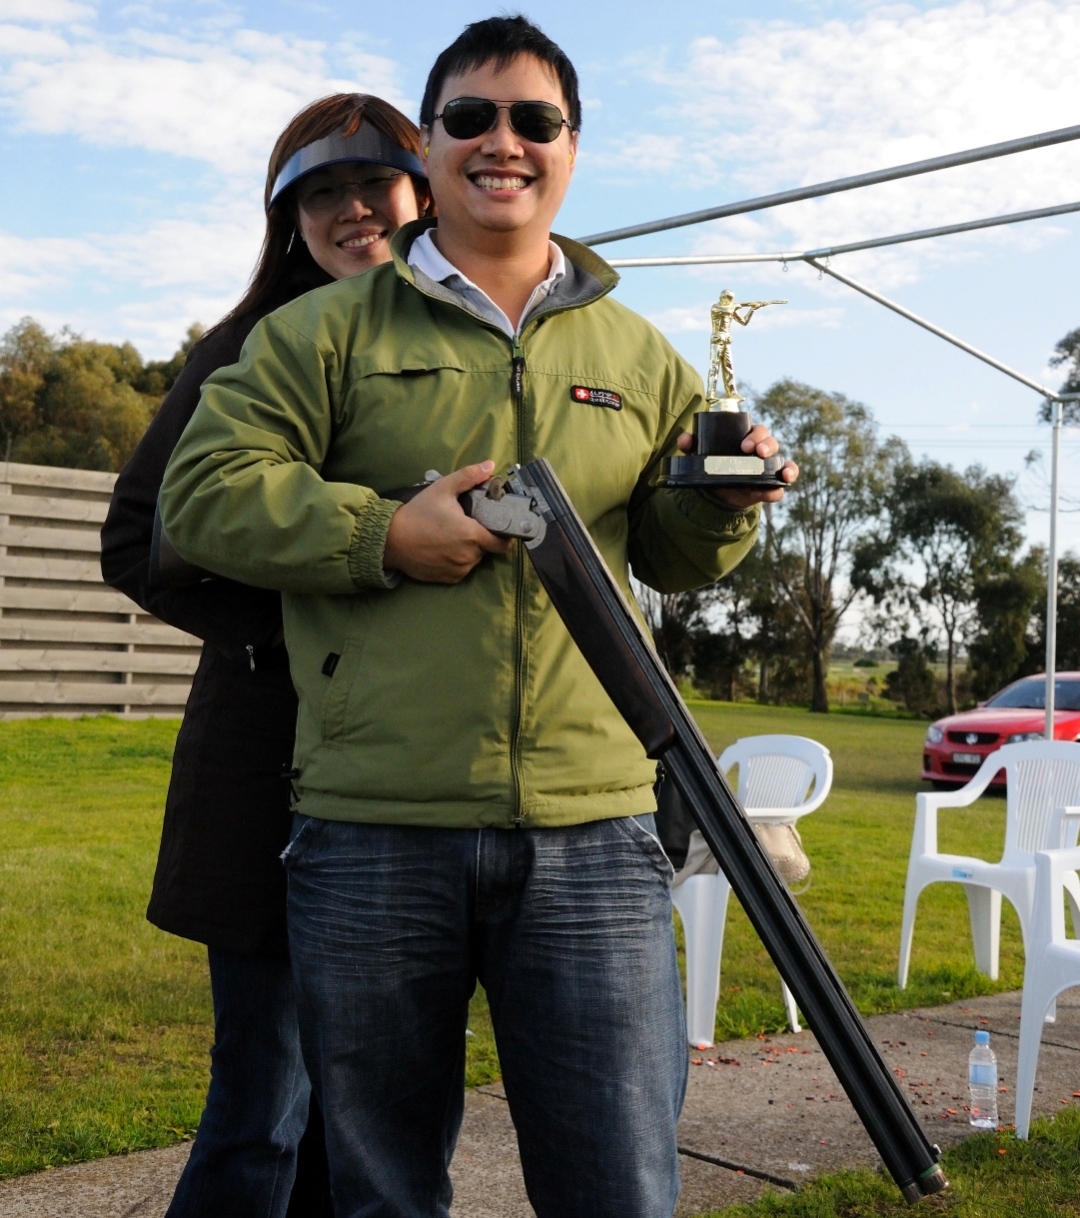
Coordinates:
[470,805]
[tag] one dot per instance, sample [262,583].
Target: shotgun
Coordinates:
[616,647]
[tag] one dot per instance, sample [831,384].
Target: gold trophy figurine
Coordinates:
[724,312]
[717,458]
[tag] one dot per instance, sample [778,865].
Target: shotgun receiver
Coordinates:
[600,621]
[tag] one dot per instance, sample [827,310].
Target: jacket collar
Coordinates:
[588,276]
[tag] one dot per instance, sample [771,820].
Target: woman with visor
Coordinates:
[343,177]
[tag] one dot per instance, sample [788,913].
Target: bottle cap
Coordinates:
[982,1038]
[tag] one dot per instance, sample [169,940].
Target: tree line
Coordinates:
[935,555]
[67,401]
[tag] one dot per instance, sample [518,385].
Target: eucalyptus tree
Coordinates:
[1067,352]
[1011,607]
[845,474]
[68,401]
[26,351]
[727,627]
[956,533]
[673,619]
[1068,617]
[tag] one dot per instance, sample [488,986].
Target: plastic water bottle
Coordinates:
[982,1079]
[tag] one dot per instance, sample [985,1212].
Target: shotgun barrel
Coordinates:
[616,647]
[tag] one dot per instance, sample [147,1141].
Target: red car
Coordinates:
[955,747]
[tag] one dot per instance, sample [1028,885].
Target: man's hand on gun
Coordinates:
[433,540]
[430,537]
[761,444]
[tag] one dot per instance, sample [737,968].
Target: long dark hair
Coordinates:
[285,267]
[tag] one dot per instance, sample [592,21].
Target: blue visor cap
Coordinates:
[367,145]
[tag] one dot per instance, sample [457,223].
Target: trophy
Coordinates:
[717,458]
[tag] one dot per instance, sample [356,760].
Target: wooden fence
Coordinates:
[70,645]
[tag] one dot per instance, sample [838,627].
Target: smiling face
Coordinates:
[348,231]
[499,185]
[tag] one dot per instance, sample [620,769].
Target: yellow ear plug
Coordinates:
[427,149]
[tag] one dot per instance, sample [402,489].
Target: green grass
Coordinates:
[990,1175]
[105,1021]
[858,843]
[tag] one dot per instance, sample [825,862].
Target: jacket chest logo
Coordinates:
[596,397]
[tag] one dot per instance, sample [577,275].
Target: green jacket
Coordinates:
[460,706]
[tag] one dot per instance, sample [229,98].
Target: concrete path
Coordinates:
[759,1114]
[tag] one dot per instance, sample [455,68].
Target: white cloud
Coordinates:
[145,285]
[17,40]
[44,11]
[682,320]
[785,105]
[220,98]
[695,318]
[222,101]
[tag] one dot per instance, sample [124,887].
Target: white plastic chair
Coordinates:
[1051,965]
[781,778]
[1042,776]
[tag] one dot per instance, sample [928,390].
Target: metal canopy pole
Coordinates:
[1051,574]
[971,155]
[852,247]
[929,325]
[1056,403]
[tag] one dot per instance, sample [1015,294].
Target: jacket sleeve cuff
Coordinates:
[704,512]
[369,544]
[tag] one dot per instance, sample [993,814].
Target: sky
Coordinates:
[134,140]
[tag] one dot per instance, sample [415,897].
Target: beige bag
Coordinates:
[784,846]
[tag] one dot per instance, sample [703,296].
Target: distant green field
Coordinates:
[105,1021]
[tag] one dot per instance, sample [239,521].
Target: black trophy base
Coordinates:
[718,459]
[748,473]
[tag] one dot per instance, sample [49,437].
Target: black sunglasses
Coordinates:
[465,118]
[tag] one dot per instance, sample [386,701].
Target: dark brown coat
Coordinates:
[219,880]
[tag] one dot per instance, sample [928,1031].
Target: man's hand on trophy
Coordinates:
[761,444]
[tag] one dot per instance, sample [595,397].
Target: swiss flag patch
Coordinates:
[596,397]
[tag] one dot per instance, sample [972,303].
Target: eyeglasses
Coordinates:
[539,122]
[320,198]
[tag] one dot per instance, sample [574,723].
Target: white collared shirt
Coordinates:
[424,256]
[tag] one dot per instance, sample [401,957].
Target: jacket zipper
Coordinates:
[517,397]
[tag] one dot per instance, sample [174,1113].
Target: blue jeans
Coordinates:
[244,1159]
[570,933]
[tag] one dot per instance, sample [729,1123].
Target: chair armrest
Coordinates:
[821,793]
[1062,860]
[967,794]
[775,816]
[924,836]
[1049,913]
[1062,821]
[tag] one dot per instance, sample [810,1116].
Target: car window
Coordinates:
[1030,694]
